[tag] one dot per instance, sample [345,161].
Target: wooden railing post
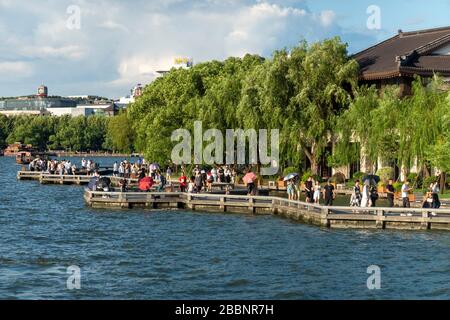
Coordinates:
[324,221]
[222,204]
[251,206]
[425,225]
[380,222]
[274,207]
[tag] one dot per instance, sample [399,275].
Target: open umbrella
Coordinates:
[290,176]
[145,183]
[373,179]
[249,178]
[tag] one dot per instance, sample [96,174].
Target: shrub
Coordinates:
[289,170]
[428,180]
[413,176]
[397,186]
[385,174]
[415,179]
[308,174]
[358,175]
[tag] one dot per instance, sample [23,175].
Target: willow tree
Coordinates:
[355,129]
[265,96]
[324,80]
[208,92]
[439,152]
[396,129]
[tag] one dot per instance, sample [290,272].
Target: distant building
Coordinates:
[108,110]
[42,91]
[34,105]
[183,63]
[42,104]
[136,92]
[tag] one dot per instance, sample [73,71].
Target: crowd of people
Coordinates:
[368,195]
[63,167]
[201,180]
[313,191]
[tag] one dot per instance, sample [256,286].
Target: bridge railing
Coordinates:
[265,202]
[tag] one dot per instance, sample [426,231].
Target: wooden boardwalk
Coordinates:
[45,178]
[330,217]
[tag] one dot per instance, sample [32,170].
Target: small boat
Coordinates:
[24,157]
[14,149]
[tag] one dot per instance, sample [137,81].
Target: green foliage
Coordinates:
[397,185]
[385,174]
[120,135]
[49,132]
[401,130]
[289,170]
[306,175]
[4,130]
[300,92]
[428,181]
[358,175]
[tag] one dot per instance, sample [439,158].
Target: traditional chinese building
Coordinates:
[398,59]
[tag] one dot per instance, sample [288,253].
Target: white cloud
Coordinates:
[72,52]
[327,18]
[12,70]
[121,43]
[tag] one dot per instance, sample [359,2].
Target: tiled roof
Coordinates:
[406,53]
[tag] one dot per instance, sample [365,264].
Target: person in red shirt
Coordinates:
[183,182]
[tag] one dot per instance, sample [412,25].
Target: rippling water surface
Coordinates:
[142,254]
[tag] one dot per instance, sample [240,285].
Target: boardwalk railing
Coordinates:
[47,178]
[332,217]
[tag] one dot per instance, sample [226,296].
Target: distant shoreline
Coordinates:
[92,154]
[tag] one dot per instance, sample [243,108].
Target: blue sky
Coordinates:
[105,47]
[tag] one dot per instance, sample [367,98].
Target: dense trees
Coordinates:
[310,93]
[120,135]
[299,92]
[412,131]
[47,132]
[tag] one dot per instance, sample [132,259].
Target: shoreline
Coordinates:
[92,154]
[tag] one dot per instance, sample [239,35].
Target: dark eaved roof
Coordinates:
[406,54]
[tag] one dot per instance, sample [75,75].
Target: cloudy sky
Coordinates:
[104,47]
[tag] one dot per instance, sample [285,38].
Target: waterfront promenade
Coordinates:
[330,217]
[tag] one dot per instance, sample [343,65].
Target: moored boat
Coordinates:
[24,157]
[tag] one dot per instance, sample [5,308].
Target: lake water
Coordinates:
[142,254]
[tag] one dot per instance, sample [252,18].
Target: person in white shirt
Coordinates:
[405,194]
[434,188]
[365,200]
[121,170]
[191,186]
[214,174]
[115,169]
[317,191]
